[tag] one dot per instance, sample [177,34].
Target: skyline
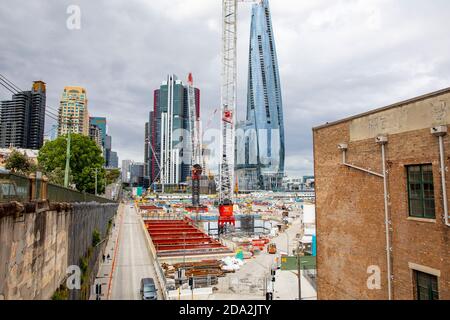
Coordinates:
[336,59]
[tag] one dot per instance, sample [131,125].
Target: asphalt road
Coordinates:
[133,261]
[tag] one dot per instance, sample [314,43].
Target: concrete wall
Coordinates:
[350,203]
[37,245]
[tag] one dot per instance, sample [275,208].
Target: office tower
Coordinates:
[169,143]
[151,148]
[73,112]
[260,139]
[54,132]
[107,149]
[126,170]
[106,140]
[22,119]
[99,122]
[137,174]
[113,160]
[146,152]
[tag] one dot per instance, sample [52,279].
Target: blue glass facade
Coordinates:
[260,140]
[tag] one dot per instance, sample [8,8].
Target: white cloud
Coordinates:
[336,58]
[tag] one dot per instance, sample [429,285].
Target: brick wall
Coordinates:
[350,210]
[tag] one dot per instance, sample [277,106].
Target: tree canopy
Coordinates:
[112,175]
[86,157]
[19,162]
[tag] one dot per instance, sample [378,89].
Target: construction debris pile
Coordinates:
[213,268]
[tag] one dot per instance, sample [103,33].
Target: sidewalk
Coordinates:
[286,286]
[104,275]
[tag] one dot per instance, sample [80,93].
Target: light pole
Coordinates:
[299,270]
[66,172]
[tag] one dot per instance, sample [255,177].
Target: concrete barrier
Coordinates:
[186,294]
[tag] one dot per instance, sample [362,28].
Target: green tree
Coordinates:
[112,175]
[86,157]
[18,162]
[57,176]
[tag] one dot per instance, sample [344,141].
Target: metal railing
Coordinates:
[17,187]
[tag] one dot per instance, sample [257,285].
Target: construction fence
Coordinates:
[243,285]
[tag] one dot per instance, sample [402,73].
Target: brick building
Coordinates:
[351,211]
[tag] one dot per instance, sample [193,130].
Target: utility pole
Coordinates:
[299,270]
[66,172]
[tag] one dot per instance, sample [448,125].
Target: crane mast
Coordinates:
[194,126]
[228,108]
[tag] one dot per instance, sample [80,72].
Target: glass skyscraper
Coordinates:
[260,151]
[167,133]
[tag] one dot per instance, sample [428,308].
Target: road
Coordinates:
[132,260]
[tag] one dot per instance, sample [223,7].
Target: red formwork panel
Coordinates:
[181,236]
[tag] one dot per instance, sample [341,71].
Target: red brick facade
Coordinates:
[350,213]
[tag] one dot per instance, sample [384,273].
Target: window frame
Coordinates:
[422,198]
[429,277]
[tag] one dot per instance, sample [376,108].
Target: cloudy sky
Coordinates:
[336,57]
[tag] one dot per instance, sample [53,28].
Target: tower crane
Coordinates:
[194,126]
[228,107]
[228,110]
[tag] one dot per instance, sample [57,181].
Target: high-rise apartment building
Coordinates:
[167,133]
[22,119]
[73,111]
[96,135]
[260,139]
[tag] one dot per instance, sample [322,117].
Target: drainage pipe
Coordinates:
[381,141]
[387,221]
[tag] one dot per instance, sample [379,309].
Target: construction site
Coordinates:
[197,256]
[216,245]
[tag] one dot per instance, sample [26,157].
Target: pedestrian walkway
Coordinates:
[104,275]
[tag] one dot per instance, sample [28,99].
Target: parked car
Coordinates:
[148,289]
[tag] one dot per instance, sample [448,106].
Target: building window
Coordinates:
[426,286]
[421,191]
